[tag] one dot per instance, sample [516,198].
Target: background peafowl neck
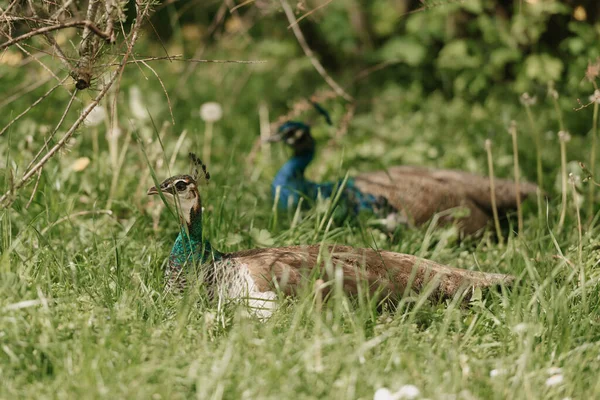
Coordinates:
[290,184]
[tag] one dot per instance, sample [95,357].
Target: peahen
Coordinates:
[253,275]
[402,194]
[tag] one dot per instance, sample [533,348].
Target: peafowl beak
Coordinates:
[152,190]
[278,137]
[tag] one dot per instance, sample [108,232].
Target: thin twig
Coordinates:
[77,214]
[37,182]
[488,148]
[64,25]
[241,5]
[515,143]
[179,57]
[35,103]
[29,87]
[309,13]
[47,141]
[309,53]
[163,87]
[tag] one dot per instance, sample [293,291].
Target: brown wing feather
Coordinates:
[476,187]
[419,197]
[383,270]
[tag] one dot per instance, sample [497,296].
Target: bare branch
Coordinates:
[309,53]
[9,195]
[35,103]
[46,29]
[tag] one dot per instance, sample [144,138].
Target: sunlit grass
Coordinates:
[84,313]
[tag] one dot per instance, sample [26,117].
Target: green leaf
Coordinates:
[407,50]
[455,55]
[543,67]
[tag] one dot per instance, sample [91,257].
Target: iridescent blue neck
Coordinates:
[291,181]
[190,248]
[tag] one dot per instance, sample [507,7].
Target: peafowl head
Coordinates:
[296,135]
[182,190]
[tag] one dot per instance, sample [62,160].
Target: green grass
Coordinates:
[83,309]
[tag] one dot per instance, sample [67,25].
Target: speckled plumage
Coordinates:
[409,194]
[253,276]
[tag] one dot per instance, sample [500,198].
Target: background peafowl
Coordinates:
[402,194]
[253,275]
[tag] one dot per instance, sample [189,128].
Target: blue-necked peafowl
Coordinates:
[401,194]
[253,275]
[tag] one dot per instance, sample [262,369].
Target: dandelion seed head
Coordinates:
[564,136]
[211,111]
[528,100]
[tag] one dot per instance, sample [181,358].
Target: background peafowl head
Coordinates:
[182,192]
[297,134]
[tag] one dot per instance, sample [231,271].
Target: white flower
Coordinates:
[554,370]
[96,116]
[554,380]
[595,98]
[383,394]
[496,372]
[211,111]
[136,104]
[408,392]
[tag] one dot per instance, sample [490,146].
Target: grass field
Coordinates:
[81,289]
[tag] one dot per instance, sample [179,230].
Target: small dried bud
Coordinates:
[564,136]
[553,93]
[595,98]
[528,100]
[488,144]
[512,129]
[593,70]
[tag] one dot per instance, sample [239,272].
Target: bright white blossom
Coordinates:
[406,392]
[554,370]
[211,111]
[383,394]
[96,116]
[554,380]
[595,98]
[496,372]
